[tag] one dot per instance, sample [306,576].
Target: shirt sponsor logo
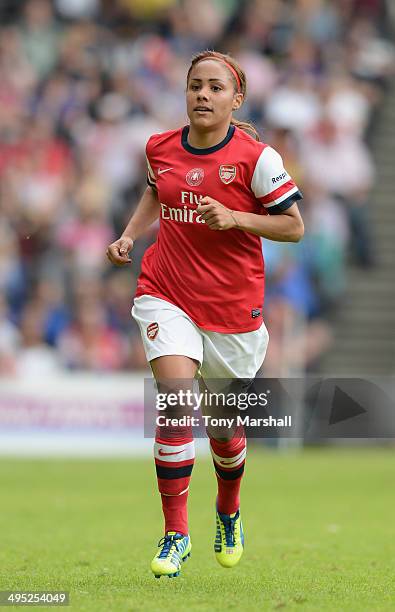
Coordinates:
[227,173]
[188,197]
[278,178]
[152,330]
[195,177]
[182,215]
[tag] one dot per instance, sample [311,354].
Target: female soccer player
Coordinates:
[217,190]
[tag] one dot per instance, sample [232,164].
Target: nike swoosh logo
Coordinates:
[229,462]
[163,454]
[165,170]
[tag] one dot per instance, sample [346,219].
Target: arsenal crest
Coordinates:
[227,173]
[152,330]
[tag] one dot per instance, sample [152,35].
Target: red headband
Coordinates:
[233,71]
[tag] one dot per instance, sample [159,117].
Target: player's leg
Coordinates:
[174,334]
[235,357]
[174,452]
[229,460]
[228,451]
[174,448]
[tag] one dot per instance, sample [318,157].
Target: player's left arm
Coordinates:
[275,190]
[286,226]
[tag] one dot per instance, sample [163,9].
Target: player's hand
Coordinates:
[118,251]
[215,214]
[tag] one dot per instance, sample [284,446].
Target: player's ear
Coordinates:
[237,101]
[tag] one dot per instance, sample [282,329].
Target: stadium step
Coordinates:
[364,330]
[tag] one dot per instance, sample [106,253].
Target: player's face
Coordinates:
[211,96]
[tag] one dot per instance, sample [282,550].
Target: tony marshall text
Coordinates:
[188,421]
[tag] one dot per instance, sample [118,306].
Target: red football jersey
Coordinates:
[216,277]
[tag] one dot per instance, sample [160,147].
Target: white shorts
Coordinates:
[168,330]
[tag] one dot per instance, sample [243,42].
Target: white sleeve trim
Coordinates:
[269,173]
[151,174]
[283,197]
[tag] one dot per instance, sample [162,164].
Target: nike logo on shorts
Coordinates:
[163,171]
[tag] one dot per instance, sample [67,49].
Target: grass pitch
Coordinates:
[320,534]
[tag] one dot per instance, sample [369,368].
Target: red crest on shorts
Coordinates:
[227,173]
[152,330]
[195,176]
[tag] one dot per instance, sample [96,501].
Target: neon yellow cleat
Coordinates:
[173,549]
[229,539]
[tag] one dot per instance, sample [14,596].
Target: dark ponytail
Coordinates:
[239,87]
[246,127]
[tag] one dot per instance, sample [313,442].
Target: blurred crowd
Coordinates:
[84,83]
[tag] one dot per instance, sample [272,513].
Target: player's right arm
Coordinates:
[145,214]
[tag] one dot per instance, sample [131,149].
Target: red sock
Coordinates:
[174,452]
[229,459]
